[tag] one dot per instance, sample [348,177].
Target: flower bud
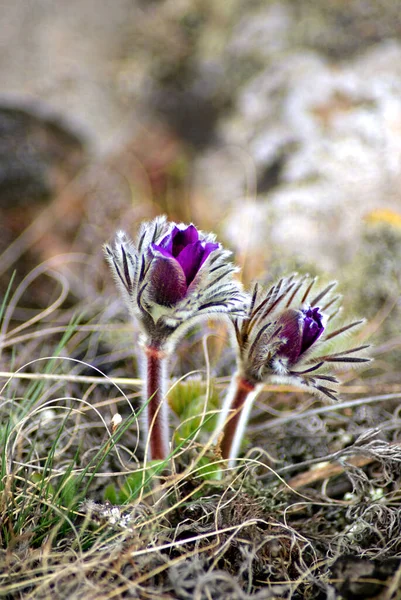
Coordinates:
[285,329]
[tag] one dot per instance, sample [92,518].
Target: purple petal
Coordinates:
[312,328]
[291,332]
[183,238]
[175,241]
[190,260]
[193,256]
[167,242]
[208,249]
[155,248]
[167,282]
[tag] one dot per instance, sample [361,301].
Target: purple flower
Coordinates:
[172,276]
[300,330]
[278,337]
[277,340]
[178,259]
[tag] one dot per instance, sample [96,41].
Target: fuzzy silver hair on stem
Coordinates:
[284,337]
[172,277]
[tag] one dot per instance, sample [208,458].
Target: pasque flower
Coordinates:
[284,336]
[173,276]
[178,257]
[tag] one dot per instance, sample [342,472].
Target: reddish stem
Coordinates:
[242,391]
[157,421]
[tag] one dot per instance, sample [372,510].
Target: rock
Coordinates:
[330,134]
[357,578]
[38,154]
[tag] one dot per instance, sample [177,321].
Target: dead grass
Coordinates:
[312,512]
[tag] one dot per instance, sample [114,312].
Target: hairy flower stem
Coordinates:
[156,403]
[234,416]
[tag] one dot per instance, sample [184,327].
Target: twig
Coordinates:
[326,471]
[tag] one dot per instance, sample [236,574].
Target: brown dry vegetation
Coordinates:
[311,512]
[313,509]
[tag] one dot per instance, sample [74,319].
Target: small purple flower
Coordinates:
[278,337]
[277,341]
[178,259]
[300,330]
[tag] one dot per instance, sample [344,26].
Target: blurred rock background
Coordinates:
[275,123]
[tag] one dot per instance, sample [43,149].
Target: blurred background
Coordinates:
[275,124]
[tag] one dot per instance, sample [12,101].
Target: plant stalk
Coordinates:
[156,403]
[234,416]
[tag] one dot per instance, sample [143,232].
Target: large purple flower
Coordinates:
[172,276]
[178,258]
[300,330]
